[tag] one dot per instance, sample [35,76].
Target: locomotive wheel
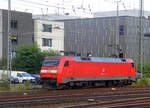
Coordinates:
[46,84]
[121,83]
[129,82]
[86,85]
[60,87]
[109,84]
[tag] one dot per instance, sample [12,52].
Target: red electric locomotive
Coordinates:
[65,71]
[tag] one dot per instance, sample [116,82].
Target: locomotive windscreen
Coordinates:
[52,62]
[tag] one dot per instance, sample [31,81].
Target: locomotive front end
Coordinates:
[49,71]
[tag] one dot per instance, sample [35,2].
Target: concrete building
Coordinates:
[102,36]
[21,27]
[49,34]
[53,17]
[134,13]
[98,36]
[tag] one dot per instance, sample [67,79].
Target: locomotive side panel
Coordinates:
[94,71]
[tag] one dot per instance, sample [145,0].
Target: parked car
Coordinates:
[23,76]
[13,80]
[37,78]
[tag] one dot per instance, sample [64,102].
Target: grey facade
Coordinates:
[98,36]
[1,39]
[21,27]
[132,12]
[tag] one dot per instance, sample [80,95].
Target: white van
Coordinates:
[23,76]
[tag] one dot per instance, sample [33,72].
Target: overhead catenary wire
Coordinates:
[56,6]
[67,8]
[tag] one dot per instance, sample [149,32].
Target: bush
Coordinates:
[27,83]
[4,85]
[146,69]
[3,64]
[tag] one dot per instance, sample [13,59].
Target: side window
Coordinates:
[132,64]
[19,75]
[66,63]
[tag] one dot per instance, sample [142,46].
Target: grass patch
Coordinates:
[26,86]
[142,81]
[22,87]
[4,85]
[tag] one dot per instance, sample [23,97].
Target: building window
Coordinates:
[14,41]
[47,28]
[146,34]
[47,42]
[14,24]
[121,30]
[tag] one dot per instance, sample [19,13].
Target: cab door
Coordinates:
[68,71]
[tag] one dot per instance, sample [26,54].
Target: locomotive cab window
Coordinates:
[52,62]
[66,63]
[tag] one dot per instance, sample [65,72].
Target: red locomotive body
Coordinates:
[72,71]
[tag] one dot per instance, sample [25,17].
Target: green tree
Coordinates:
[50,53]
[29,58]
[146,69]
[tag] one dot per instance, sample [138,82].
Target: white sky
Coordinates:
[74,7]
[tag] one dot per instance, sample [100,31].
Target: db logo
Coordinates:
[103,70]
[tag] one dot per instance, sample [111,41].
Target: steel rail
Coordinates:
[76,94]
[136,105]
[62,99]
[105,104]
[62,93]
[103,89]
[73,91]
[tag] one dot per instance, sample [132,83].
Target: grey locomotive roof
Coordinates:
[97,59]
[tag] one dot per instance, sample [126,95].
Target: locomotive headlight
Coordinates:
[44,71]
[53,71]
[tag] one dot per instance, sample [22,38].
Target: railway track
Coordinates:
[72,91]
[80,95]
[123,103]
